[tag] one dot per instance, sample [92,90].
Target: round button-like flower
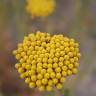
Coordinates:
[40,8]
[45,61]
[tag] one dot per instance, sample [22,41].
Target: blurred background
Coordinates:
[73,18]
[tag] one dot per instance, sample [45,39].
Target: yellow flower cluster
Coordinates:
[45,61]
[40,8]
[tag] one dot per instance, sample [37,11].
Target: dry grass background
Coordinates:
[73,18]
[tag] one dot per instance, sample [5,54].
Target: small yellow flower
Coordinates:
[45,60]
[15,52]
[50,60]
[52,74]
[38,82]
[44,81]
[46,75]
[32,84]
[48,88]
[57,54]
[39,69]
[17,65]
[55,59]
[49,70]
[58,75]
[64,73]
[74,70]
[33,77]
[61,59]
[39,64]
[43,71]
[58,69]
[76,64]
[27,80]
[62,79]
[39,76]
[66,57]
[20,70]
[50,82]
[44,63]
[49,65]
[28,67]
[18,56]
[21,60]
[59,86]
[64,68]
[23,65]
[42,88]
[23,75]
[55,65]
[69,72]
[70,66]
[55,80]
[40,8]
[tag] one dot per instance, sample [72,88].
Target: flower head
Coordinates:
[40,8]
[45,61]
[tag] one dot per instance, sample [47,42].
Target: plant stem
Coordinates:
[58,92]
